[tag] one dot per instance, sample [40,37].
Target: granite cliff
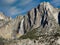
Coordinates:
[41,24]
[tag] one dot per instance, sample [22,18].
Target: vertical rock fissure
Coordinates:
[59,18]
[29,19]
[44,18]
[18,27]
[24,27]
[35,11]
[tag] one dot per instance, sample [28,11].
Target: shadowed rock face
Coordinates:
[59,18]
[44,16]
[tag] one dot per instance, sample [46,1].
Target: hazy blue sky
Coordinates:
[19,7]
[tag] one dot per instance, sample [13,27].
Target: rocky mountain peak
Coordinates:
[44,16]
[47,7]
[2,15]
[40,23]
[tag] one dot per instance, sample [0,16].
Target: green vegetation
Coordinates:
[31,35]
[2,41]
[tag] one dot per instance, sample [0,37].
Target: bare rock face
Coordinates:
[2,16]
[45,15]
[5,26]
[41,22]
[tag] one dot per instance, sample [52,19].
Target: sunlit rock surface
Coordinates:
[40,26]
